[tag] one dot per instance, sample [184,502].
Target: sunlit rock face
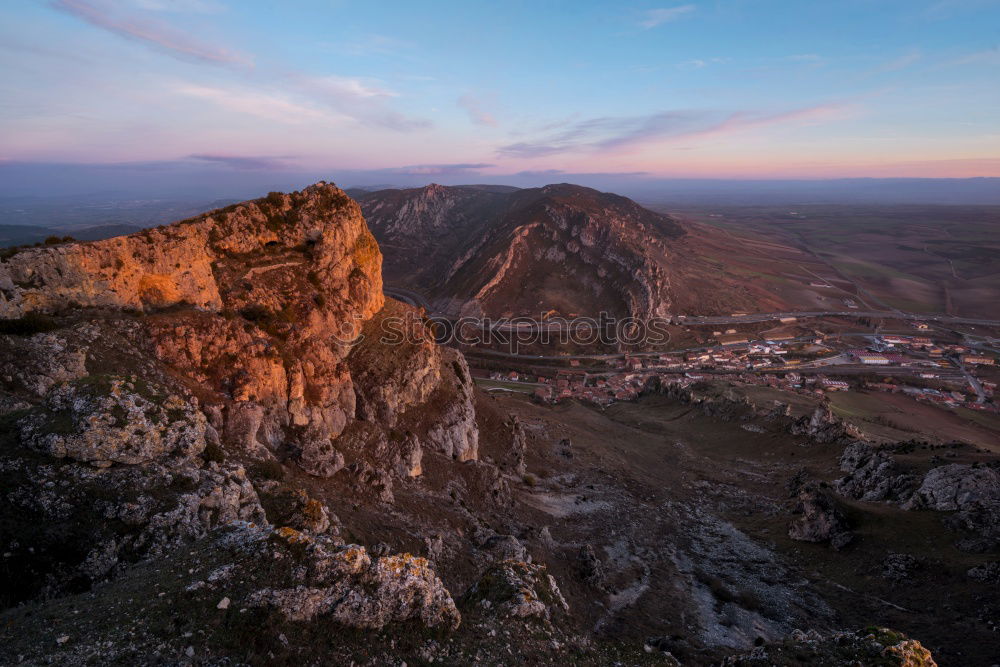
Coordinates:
[203,261]
[258,307]
[177,374]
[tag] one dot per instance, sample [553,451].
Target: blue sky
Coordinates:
[730,88]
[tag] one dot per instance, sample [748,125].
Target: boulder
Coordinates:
[957,487]
[900,567]
[819,520]
[106,419]
[987,573]
[344,584]
[505,547]
[516,589]
[873,475]
[871,646]
[589,565]
[823,426]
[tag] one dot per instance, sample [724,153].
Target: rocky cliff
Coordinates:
[201,425]
[160,387]
[255,308]
[211,453]
[491,250]
[562,247]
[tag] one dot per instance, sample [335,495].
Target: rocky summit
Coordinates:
[211,454]
[560,249]
[178,375]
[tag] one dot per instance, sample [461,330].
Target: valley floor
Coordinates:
[689,515]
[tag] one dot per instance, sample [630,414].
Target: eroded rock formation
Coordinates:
[265,302]
[502,250]
[184,355]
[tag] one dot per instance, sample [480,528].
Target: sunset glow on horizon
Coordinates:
[727,89]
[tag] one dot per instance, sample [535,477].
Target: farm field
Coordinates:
[923,259]
[895,417]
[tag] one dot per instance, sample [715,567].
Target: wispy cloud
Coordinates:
[699,63]
[371,44]
[804,116]
[242,162]
[607,132]
[299,99]
[347,87]
[362,100]
[477,114]
[541,172]
[292,97]
[151,32]
[900,62]
[987,57]
[655,17]
[550,173]
[190,6]
[805,58]
[611,133]
[458,168]
[269,105]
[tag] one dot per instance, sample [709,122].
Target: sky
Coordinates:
[736,89]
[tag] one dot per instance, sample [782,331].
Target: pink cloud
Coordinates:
[477,114]
[153,33]
[611,133]
[659,16]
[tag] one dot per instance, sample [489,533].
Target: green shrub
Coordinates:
[287,314]
[256,313]
[268,470]
[28,325]
[213,453]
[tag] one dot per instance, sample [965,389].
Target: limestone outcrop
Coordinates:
[488,251]
[516,589]
[177,371]
[106,419]
[819,519]
[870,646]
[957,487]
[344,584]
[257,307]
[873,475]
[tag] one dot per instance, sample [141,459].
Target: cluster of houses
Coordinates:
[977,360]
[793,382]
[608,389]
[893,350]
[737,356]
[605,390]
[944,397]
[602,390]
[932,349]
[735,353]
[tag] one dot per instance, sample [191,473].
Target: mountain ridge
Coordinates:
[466,240]
[560,249]
[198,449]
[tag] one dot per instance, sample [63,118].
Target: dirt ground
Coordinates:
[893,417]
[917,258]
[689,517]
